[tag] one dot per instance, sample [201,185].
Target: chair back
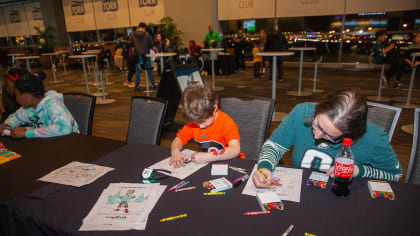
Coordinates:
[413,170]
[82,107]
[253,116]
[384,116]
[146,120]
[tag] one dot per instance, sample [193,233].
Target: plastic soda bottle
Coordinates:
[343,169]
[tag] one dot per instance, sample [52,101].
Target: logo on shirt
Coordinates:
[35,122]
[209,146]
[203,136]
[109,5]
[323,145]
[148,3]
[78,8]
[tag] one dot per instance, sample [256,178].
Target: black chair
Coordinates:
[82,107]
[384,116]
[253,117]
[146,120]
[413,170]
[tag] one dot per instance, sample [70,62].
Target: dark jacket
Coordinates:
[142,41]
[275,42]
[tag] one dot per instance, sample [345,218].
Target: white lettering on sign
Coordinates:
[77,7]
[304,2]
[36,13]
[246,4]
[148,3]
[14,16]
[109,5]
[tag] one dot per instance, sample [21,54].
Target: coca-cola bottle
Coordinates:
[343,169]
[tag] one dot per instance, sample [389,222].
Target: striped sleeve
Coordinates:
[270,155]
[367,171]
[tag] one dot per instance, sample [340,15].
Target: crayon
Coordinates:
[256,213]
[216,193]
[173,187]
[183,189]
[182,185]
[174,217]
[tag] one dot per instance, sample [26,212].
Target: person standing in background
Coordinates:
[240,50]
[213,37]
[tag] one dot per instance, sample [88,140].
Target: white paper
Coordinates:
[268,197]
[219,169]
[290,180]
[123,206]
[380,186]
[76,174]
[319,177]
[180,172]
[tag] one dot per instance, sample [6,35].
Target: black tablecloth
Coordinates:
[58,209]
[41,156]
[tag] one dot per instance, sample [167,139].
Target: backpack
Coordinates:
[132,55]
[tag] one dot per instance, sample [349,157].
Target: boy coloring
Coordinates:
[214,131]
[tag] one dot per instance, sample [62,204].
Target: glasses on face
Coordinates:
[327,137]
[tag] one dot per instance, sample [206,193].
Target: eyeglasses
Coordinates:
[332,140]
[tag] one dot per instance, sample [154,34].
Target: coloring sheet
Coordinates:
[123,206]
[180,172]
[287,184]
[76,174]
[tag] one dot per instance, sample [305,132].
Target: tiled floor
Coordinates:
[112,120]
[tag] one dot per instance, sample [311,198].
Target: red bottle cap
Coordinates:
[347,141]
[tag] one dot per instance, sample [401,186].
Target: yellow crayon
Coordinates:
[265,178]
[216,193]
[173,217]
[183,189]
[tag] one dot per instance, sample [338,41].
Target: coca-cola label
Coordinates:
[343,167]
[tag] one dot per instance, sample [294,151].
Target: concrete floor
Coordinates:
[111,120]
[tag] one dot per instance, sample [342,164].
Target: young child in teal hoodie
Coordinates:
[42,114]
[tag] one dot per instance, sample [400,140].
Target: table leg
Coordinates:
[300,72]
[161,66]
[147,80]
[212,70]
[84,72]
[410,88]
[273,78]
[103,99]
[28,65]
[64,64]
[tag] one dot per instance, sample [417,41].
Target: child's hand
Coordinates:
[201,157]
[18,132]
[3,127]
[177,160]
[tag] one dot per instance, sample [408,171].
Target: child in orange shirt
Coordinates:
[214,131]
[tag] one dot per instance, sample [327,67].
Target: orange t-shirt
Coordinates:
[214,137]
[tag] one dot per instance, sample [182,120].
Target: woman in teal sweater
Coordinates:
[316,131]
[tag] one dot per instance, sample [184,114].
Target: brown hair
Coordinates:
[198,103]
[347,110]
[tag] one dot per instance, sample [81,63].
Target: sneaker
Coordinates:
[385,80]
[131,85]
[126,83]
[397,85]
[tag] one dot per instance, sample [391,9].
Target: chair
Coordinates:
[378,98]
[82,107]
[253,116]
[384,116]
[146,120]
[413,170]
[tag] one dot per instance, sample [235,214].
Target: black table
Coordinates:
[226,63]
[59,209]
[42,155]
